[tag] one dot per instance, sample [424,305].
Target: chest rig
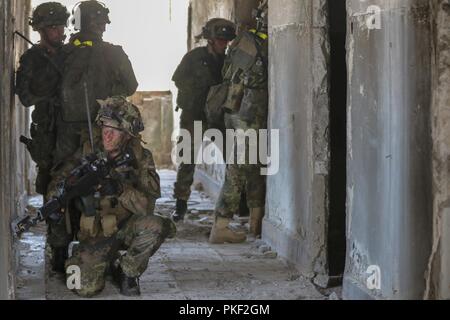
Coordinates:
[103,215]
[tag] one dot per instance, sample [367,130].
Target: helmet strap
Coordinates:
[212,48]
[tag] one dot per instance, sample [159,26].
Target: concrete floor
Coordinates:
[184,268]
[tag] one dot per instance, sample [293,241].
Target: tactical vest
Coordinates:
[246,74]
[103,216]
[92,71]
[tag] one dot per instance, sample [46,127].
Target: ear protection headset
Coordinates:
[76,13]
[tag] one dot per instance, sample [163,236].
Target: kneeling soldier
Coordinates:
[118,229]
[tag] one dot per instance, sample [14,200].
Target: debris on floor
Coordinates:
[189,268]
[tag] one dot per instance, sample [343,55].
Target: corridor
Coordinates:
[359,103]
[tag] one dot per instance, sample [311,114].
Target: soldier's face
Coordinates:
[97,27]
[219,46]
[113,139]
[54,35]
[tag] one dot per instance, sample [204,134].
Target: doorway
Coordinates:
[338,140]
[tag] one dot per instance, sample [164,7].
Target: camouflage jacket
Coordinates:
[37,82]
[140,183]
[198,71]
[36,78]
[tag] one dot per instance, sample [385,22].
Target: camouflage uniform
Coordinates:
[198,71]
[106,71]
[123,221]
[37,82]
[36,85]
[247,105]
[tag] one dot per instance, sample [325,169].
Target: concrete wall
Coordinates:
[389,149]
[398,142]
[297,197]
[438,276]
[13,122]
[157,113]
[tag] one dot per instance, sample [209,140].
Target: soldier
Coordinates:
[37,84]
[199,70]
[119,214]
[93,69]
[246,107]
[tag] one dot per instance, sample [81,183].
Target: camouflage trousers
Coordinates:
[241,178]
[140,237]
[59,235]
[185,174]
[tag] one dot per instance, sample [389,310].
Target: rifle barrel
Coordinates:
[24,38]
[42,52]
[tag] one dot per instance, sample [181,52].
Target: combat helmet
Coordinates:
[86,12]
[49,14]
[219,28]
[120,114]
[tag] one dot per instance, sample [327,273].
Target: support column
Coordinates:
[297,202]
[389,149]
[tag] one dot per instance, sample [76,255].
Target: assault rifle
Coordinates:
[82,181]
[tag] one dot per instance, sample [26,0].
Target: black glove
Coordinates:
[110,187]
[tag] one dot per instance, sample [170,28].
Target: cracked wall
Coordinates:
[389,148]
[296,217]
[438,275]
[14,160]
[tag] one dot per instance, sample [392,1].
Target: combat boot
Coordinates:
[221,232]
[129,286]
[255,222]
[59,257]
[180,211]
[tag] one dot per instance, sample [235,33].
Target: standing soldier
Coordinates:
[93,69]
[199,70]
[37,85]
[246,107]
[119,213]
